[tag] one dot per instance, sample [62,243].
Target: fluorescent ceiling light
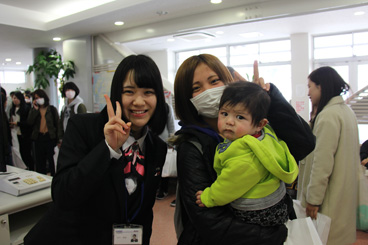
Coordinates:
[18,63]
[359,13]
[216,1]
[7,59]
[56,39]
[119,23]
[73,7]
[251,34]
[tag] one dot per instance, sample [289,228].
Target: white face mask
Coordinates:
[28,100]
[40,101]
[207,103]
[70,94]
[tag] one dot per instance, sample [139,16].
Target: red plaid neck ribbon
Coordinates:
[135,158]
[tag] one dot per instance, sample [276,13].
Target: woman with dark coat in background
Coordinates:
[18,120]
[44,119]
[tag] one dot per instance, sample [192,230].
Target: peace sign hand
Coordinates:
[259,80]
[116,130]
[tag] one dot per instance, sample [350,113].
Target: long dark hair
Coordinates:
[331,84]
[146,75]
[22,104]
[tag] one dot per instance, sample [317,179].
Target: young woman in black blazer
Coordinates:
[96,186]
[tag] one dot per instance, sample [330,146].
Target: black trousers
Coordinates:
[44,151]
[164,185]
[25,148]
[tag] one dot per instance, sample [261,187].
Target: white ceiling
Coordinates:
[25,24]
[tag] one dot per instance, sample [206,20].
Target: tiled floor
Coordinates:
[163,224]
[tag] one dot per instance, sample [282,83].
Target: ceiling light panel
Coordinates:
[194,36]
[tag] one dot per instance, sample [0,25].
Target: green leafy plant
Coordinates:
[20,89]
[50,65]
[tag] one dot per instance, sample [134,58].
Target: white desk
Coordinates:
[19,214]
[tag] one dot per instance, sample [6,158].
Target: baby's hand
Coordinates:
[198,199]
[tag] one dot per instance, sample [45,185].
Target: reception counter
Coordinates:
[18,214]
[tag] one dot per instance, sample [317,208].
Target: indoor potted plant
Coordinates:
[48,65]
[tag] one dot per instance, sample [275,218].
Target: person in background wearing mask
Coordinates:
[44,120]
[18,121]
[28,98]
[73,105]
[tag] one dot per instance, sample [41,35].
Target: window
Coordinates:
[280,75]
[275,51]
[347,53]
[327,47]
[274,59]
[341,45]
[244,54]
[12,77]
[264,52]
[360,44]
[362,76]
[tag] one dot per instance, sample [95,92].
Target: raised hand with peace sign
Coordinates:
[116,131]
[259,80]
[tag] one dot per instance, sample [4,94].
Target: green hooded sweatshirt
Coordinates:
[250,168]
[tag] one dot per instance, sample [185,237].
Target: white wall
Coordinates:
[104,53]
[9,87]
[163,59]
[79,50]
[301,63]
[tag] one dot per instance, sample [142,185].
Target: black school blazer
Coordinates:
[88,188]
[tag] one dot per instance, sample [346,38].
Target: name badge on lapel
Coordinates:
[127,234]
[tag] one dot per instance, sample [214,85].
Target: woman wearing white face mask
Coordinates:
[44,119]
[73,105]
[198,87]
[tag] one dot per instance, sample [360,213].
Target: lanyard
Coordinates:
[126,205]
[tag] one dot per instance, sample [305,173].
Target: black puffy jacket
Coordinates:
[218,225]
